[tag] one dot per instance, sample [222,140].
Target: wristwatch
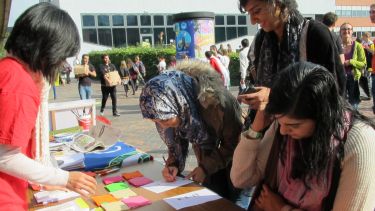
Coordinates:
[252,134]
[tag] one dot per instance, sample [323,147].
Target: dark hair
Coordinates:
[290,5]
[329,19]
[308,91]
[104,55]
[208,54]
[83,55]
[43,37]
[245,43]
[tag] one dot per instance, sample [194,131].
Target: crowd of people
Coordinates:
[306,147]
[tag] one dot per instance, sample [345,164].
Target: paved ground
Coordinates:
[137,131]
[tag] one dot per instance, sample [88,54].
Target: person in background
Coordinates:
[226,58]
[372,18]
[139,64]
[368,45]
[219,68]
[42,28]
[125,77]
[162,65]
[216,53]
[172,62]
[285,158]
[329,19]
[161,38]
[84,82]
[134,72]
[221,48]
[105,68]
[244,62]
[229,48]
[184,112]
[355,61]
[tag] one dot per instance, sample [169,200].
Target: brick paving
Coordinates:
[137,131]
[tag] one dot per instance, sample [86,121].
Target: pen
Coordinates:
[165,164]
[109,171]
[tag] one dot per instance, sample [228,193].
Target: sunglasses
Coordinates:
[344,29]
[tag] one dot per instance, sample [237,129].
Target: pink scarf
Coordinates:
[294,190]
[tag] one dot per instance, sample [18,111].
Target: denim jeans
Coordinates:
[85,92]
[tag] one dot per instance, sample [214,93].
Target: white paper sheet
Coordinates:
[162,186]
[54,196]
[192,198]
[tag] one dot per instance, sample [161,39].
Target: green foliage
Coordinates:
[149,57]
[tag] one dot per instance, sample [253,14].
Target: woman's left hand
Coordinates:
[268,200]
[197,175]
[256,100]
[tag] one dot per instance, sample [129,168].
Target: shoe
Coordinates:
[116,114]
[102,113]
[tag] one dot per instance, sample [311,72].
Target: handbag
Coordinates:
[270,173]
[125,80]
[112,78]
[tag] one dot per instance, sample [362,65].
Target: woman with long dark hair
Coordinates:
[318,153]
[42,38]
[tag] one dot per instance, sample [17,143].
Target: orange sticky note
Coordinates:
[103,199]
[132,175]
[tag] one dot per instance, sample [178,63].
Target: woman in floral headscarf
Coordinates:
[193,106]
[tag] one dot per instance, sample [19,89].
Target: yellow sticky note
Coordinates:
[81,203]
[114,206]
[120,194]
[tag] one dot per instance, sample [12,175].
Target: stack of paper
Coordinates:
[53,196]
[76,205]
[70,161]
[162,186]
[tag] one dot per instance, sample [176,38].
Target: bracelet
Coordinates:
[252,134]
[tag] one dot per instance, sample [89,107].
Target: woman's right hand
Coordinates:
[81,183]
[169,173]
[256,100]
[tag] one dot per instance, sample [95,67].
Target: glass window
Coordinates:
[105,37]
[231,20]
[169,20]
[119,37]
[88,20]
[219,20]
[242,19]
[146,30]
[231,33]
[158,20]
[133,36]
[117,20]
[242,31]
[220,34]
[103,20]
[89,35]
[132,20]
[338,12]
[171,35]
[145,20]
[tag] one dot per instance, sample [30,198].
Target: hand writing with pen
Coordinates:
[169,172]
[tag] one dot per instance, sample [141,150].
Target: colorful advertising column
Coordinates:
[195,33]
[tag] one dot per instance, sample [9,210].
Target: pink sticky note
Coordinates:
[136,201]
[139,181]
[109,180]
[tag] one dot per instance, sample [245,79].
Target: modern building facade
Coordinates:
[119,23]
[357,14]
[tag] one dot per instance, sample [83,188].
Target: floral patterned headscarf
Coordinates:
[168,95]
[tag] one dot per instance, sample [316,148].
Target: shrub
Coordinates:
[149,57]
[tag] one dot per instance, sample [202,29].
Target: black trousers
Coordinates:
[109,91]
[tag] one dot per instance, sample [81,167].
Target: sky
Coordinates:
[17,8]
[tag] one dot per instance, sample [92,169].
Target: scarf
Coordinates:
[294,190]
[168,95]
[272,56]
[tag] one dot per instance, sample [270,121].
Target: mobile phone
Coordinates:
[250,88]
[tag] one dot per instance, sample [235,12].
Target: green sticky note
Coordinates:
[117,186]
[97,209]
